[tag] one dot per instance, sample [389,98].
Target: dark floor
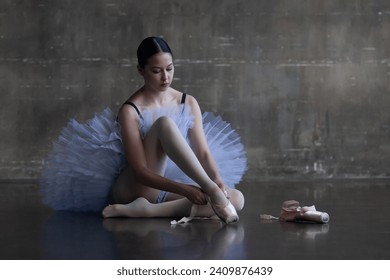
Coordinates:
[359,227]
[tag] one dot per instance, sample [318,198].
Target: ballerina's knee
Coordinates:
[237,199]
[165,124]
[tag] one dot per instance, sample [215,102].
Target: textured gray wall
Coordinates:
[306,83]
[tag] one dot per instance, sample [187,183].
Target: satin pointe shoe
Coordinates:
[226,213]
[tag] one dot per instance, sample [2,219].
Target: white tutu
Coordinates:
[87,158]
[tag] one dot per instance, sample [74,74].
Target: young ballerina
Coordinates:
[169,166]
[142,182]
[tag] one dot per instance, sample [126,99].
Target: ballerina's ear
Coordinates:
[140,70]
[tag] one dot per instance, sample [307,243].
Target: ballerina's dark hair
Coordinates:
[149,47]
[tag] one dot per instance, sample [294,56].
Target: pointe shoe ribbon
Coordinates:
[185,220]
[226,213]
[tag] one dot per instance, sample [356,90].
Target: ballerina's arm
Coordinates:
[134,149]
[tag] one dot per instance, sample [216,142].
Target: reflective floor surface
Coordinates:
[359,227]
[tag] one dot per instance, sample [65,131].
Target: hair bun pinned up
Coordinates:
[149,47]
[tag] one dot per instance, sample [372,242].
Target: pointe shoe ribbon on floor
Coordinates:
[185,220]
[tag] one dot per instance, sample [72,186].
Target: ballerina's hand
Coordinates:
[196,195]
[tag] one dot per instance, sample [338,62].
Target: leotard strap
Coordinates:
[134,106]
[183,98]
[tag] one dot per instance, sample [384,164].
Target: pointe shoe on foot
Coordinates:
[226,213]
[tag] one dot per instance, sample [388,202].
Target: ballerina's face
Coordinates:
[158,72]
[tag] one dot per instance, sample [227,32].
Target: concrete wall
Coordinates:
[306,83]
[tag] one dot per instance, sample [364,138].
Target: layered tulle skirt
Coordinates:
[87,158]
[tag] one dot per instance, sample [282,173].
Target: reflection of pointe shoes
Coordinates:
[226,213]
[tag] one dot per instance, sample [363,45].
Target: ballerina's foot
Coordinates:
[137,208]
[226,213]
[223,208]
